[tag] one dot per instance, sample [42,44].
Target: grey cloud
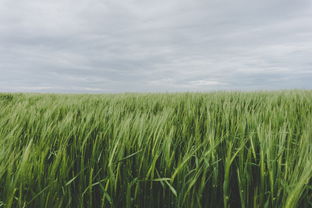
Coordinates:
[142,46]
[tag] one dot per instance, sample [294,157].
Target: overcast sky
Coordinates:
[105,46]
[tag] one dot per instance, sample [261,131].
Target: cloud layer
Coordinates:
[154,46]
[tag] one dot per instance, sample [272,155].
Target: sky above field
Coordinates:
[110,46]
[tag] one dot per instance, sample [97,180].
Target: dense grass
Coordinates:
[156,150]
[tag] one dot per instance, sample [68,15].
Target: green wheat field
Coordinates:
[219,149]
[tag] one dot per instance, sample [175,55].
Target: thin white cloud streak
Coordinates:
[206,83]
